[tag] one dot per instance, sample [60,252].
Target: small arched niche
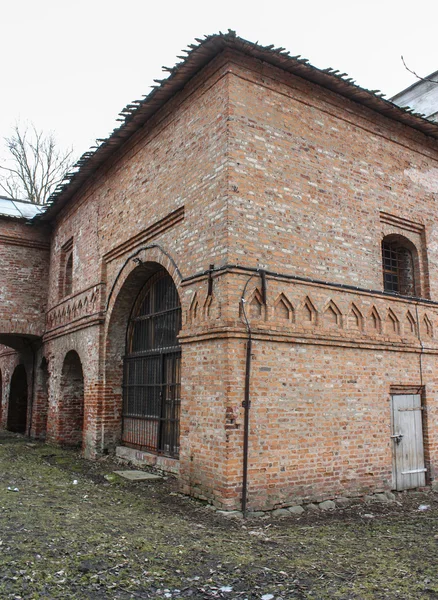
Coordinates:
[309,313]
[355,318]
[332,316]
[283,309]
[71,406]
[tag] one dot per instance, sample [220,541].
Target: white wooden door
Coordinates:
[407,440]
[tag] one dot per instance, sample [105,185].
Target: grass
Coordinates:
[107,539]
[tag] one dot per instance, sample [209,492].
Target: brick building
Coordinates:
[247,174]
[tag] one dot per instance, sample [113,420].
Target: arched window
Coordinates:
[400,266]
[152,369]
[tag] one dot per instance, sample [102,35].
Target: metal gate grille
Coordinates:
[152,370]
[398,269]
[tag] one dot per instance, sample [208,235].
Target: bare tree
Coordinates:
[416,75]
[35,165]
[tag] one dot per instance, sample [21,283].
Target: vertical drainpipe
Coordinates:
[246,401]
[246,405]
[210,280]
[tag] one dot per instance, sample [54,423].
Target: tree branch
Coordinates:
[36,165]
[415,74]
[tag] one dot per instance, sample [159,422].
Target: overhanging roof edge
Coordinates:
[136,114]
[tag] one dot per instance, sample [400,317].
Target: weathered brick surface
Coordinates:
[24,275]
[10,360]
[249,167]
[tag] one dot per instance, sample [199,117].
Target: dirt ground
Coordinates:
[68,532]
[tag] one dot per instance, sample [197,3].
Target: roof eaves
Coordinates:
[137,113]
[11,208]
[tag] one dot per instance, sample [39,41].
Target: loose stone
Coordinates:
[342,502]
[230,513]
[296,510]
[327,505]
[280,512]
[381,498]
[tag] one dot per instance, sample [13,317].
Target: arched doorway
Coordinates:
[17,406]
[71,407]
[152,369]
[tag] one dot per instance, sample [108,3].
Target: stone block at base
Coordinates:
[137,475]
[145,459]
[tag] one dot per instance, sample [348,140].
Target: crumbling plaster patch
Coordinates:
[427,179]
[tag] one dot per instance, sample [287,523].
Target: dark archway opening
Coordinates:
[71,408]
[152,369]
[17,409]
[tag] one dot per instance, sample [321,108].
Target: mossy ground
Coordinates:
[102,540]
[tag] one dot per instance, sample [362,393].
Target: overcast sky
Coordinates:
[70,67]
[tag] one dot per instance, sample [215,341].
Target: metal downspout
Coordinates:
[246,401]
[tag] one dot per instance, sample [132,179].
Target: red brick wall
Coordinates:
[315,184]
[313,171]
[164,187]
[9,361]
[24,276]
[85,343]
[40,406]
[254,167]
[71,401]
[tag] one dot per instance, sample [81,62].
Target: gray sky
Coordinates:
[70,67]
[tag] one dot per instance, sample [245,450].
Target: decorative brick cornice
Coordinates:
[401,223]
[157,228]
[75,308]
[24,242]
[296,312]
[301,337]
[81,323]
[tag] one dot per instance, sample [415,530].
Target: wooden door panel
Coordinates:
[407,436]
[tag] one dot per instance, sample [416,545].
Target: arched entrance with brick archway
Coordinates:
[152,369]
[71,405]
[18,397]
[142,390]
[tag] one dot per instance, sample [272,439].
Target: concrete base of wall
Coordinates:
[145,459]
